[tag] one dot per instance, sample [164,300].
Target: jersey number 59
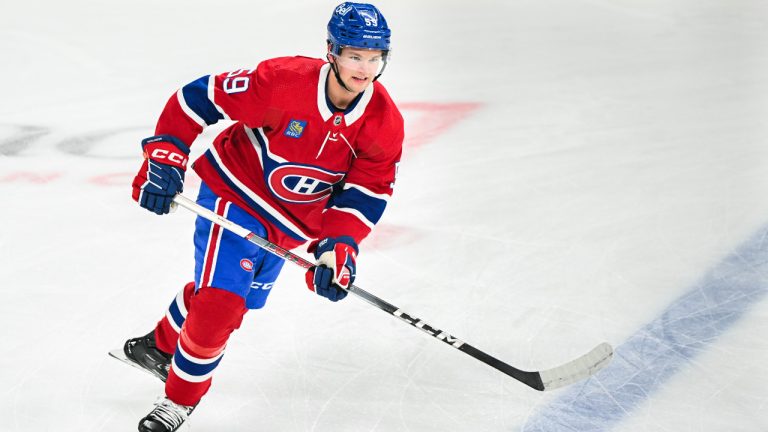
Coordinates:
[237,84]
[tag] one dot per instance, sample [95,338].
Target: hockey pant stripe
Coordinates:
[211,253]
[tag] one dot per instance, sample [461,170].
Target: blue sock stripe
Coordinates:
[190,367]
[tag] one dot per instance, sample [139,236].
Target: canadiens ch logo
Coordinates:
[246,264]
[295,128]
[302,184]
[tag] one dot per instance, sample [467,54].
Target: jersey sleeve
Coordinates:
[241,95]
[369,183]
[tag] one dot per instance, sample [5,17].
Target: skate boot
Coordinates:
[167,416]
[143,353]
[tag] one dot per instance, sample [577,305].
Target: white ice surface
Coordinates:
[619,152]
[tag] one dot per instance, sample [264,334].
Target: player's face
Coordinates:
[358,67]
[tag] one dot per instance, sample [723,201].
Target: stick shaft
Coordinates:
[531,379]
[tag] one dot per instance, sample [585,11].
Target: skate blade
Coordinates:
[119,354]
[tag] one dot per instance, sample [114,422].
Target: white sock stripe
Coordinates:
[180,303]
[170,319]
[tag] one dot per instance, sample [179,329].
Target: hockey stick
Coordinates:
[568,373]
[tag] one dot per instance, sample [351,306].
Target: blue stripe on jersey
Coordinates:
[178,318]
[251,203]
[372,208]
[196,95]
[190,367]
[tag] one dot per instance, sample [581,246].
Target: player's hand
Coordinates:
[161,175]
[335,268]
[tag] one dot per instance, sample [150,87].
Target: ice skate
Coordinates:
[166,416]
[142,352]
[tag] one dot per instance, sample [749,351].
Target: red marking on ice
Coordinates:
[30,177]
[386,235]
[426,120]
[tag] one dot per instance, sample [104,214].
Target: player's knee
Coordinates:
[214,314]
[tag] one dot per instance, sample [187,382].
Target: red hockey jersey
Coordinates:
[304,168]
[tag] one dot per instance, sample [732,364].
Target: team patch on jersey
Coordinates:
[295,128]
[302,184]
[246,264]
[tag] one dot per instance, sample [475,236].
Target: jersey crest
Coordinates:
[302,184]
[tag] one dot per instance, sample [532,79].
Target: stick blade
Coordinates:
[579,369]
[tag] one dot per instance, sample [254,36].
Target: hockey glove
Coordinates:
[161,175]
[335,268]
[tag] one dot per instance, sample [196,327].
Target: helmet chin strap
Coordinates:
[338,77]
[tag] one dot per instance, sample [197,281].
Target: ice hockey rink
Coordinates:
[573,172]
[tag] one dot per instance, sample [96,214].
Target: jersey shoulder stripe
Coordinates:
[367,208]
[197,100]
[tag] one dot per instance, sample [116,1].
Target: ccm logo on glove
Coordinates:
[159,154]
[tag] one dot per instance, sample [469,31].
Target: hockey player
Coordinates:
[310,160]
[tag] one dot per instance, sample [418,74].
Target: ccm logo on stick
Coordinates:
[177,158]
[419,324]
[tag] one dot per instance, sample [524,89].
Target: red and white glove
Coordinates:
[161,176]
[335,268]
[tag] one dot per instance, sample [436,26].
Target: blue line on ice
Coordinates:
[661,348]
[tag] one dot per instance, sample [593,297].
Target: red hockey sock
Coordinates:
[213,315]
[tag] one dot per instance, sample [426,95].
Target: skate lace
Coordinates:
[171,415]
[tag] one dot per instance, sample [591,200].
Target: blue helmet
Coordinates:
[358,25]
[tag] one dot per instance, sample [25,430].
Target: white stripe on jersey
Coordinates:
[356,213]
[188,111]
[322,106]
[359,109]
[211,87]
[259,200]
[366,191]
[257,145]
